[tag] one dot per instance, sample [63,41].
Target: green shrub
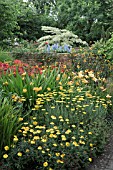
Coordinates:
[5,56]
[105,48]
[25,47]
[60,36]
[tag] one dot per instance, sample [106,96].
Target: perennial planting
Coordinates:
[59,116]
[56,83]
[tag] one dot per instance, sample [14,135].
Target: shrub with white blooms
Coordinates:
[58,36]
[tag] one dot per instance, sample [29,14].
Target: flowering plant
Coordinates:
[63,122]
[60,36]
[56,48]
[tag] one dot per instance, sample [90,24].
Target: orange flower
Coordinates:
[36,89]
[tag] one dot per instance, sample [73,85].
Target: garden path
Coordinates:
[105,161]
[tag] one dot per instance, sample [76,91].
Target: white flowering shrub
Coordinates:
[60,36]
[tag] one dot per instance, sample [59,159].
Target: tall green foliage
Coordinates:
[9,123]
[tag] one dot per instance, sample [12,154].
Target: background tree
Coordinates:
[87,19]
[34,14]
[8,19]
[43,6]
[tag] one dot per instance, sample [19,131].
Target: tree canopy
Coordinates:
[8,18]
[89,19]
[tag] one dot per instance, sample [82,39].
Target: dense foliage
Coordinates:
[90,20]
[62,112]
[55,109]
[8,19]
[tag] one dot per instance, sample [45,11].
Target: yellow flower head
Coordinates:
[5,156]
[15,139]
[91,145]
[5,83]
[35,123]
[57,154]
[108,96]
[19,153]
[63,137]
[61,88]
[60,161]
[75,143]
[54,144]
[32,142]
[20,118]
[27,150]
[62,156]
[6,148]
[50,169]
[90,159]
[48,89]
[53,117]
[68,131]
[67,144]
[36,89]
[40,147]
[24,90]
[90,133]
[45,164]
[23,74]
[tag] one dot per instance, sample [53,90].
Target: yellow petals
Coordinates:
[45,164]
[27,150]
[57,154]
[60,161]
[37,89]
[61,88]
[53,117]
[67,144]
[63,137]
[40,147]
[24,90]
[32,142]
[90,133]
[54,144]
[48,89]
[5,156]
[108,96]
[15,139]
[20,119]
[68,131]
[91,145]
[23,74]
[5,83]
[62,156]
[90,159]
[35,123]
[75,143]
[6,148]
[19,154]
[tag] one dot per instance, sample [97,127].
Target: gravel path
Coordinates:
[105,161]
